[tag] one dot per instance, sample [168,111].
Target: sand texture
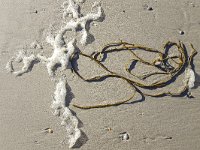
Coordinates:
[33,114]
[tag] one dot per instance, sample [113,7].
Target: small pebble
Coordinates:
[124,11]
[124,136]
[181,32]
[48,130]
[150,8]
[108,129]
[147,7]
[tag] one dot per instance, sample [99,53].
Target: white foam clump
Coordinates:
[68,119]
[189,78]
[59,97]
[61,54]
[71,9]
[79,22]
[21,57]
[71,122]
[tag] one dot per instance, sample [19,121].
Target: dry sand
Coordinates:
[154,124]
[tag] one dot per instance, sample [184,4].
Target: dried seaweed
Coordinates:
[169,70]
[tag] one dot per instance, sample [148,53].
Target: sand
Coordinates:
[156,123]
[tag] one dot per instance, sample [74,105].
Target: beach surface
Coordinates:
[167,123]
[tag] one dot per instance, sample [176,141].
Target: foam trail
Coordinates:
[28,62]
[82,23]
[67,118]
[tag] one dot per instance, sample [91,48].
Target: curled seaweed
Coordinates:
[170,71]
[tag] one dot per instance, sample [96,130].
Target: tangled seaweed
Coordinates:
[183,63]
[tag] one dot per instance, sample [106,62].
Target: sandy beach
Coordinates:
[26,117]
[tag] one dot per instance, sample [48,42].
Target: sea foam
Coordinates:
[61,55]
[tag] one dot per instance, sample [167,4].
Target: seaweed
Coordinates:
[169,70]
